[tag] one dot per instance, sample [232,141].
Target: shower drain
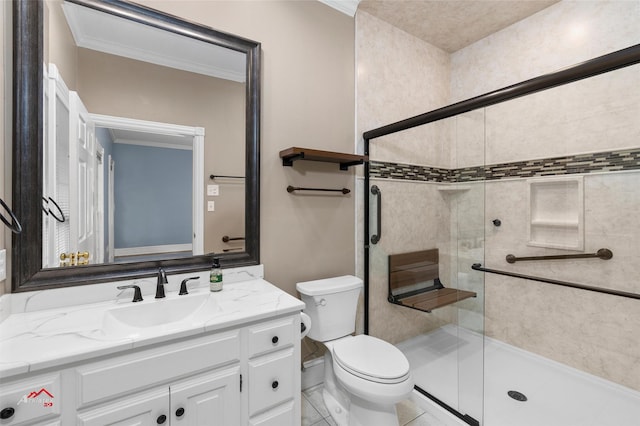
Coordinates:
[517,395]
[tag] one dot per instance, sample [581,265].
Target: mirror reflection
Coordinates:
[144,144]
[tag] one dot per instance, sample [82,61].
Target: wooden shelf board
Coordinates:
[292,154]
[436,298]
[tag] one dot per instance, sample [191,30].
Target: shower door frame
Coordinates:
[593,67]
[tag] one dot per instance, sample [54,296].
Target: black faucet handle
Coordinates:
[162,276]
[137,294]
[183,285]
[162,280]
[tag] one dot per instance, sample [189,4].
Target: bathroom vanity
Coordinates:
[229,358]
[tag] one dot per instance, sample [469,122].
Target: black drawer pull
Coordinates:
[161,419]
[274,385]
[274,339]
[180,412]
[7,413]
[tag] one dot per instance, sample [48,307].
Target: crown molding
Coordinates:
[347,7]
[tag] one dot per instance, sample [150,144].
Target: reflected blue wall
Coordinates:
[153,196]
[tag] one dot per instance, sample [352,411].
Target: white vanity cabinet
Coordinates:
[247,374]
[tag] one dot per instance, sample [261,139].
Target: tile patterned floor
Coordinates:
[314,413]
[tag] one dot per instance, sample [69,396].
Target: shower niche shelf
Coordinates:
[290,155]
[414,282]
[556,213]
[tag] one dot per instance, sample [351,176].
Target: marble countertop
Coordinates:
[46,338]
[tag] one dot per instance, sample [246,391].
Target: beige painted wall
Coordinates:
[59,46]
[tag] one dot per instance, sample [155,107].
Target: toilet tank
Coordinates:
[332,304]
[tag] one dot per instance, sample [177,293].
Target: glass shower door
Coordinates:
[423,295]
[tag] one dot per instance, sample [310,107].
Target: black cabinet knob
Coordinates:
[274,384]
[274,339]
[179,412]
[161,419]
[7,413]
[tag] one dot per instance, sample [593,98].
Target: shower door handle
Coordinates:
[376,191]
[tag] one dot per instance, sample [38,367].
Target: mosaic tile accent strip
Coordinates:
[409,172]
[610,161]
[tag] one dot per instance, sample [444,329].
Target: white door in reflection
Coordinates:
[83,172]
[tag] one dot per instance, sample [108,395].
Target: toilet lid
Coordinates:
[372,359]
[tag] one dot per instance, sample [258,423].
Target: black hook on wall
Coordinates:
[14,225]
[48,211]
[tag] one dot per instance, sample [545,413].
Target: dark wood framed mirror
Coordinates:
[28,146]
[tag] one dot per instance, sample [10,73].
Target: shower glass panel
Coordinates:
[562,173]
[424,296]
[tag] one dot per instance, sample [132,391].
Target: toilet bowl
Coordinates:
[364,376]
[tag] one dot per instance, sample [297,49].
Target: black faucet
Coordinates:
[183,285]
[162,280]
[137,294]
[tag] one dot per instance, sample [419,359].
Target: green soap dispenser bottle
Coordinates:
[215,276]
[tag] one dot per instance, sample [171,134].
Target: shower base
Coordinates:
[449,364]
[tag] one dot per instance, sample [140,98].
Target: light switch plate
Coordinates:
[3,265]
[213,190]
[211,206]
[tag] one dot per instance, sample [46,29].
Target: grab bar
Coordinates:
[603,253]
[478,267]
[291,189]
[14,225]
[376,191]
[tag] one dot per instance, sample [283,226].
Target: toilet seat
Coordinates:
[371,359]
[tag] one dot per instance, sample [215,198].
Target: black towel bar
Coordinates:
[213,177]
[227,238]
[291,189]
[48,211]
[14,225]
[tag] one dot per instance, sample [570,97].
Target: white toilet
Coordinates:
[364,377]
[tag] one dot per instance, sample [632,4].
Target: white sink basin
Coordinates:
[160,312]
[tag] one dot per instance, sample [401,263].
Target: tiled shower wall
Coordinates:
[589,331]
[400,76]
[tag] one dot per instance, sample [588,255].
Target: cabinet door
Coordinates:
[211,399]
[145,409]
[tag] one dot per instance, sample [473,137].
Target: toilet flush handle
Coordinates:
[321,302]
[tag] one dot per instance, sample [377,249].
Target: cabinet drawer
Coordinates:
[107,379]
[271,380]
[271,336]
[31,399]
[141,409]
[284,415]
